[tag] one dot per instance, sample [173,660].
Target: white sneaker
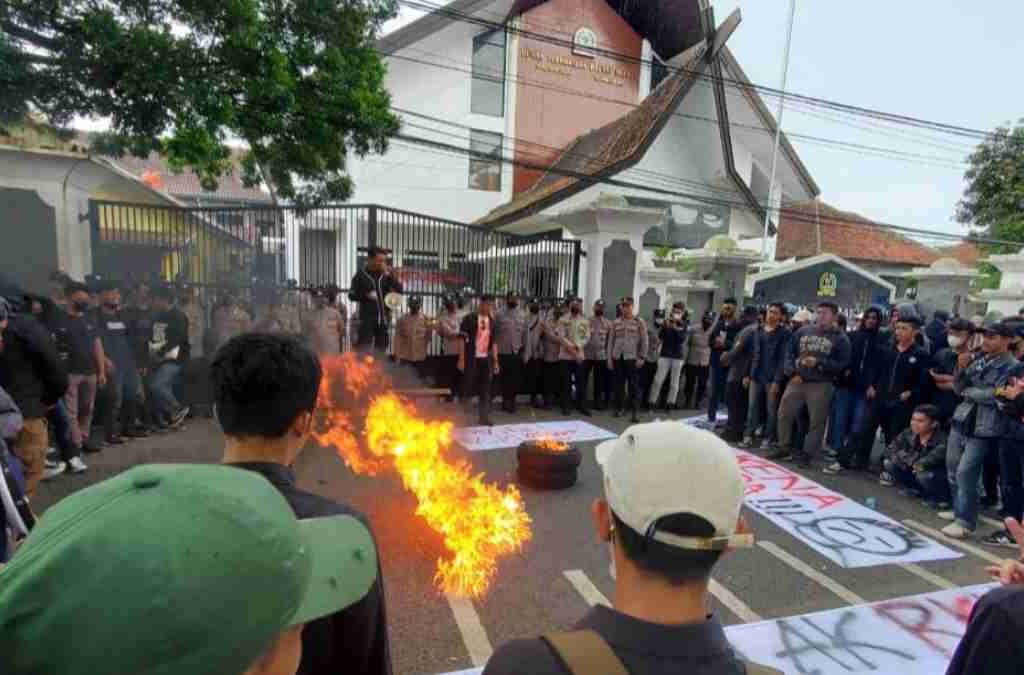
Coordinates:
[956,531]
[946,515]
[51,473]
[76,465]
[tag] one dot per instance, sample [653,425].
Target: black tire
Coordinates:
[559,480]
[534,458]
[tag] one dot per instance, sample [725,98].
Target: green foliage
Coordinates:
[298,80]
[663,252]
[993,202]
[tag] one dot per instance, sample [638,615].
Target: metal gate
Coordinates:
[265,246]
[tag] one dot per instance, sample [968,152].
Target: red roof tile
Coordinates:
[155,173]
[846,234]
[966,252]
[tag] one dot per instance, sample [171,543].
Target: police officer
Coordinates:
[511,335]
[552,341]
[627,348]
[650,367]
[412,335]
[448,329]
[574,329]
[596,354]
[533,354]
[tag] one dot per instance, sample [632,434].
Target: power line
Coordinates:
[770,91]
[884,153]
[794,214]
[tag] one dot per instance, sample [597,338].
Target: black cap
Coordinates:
[831,305]
[1000,328]
[415,301]
[913,320]
[659,314]
[961,325]
[750,311]
[598,303]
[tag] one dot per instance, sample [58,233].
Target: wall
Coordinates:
[29,252]
[551,104]
[801,287]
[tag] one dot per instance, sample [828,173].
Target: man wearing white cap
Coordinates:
[671,508]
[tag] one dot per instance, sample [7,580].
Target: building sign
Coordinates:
[584,43]
[568,67]
[828,284]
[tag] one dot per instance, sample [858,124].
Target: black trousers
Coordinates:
[647,373]
[448,375]
[737,400]
[552,378]
[479,375]
[602,381]
[572,372]
[627,373]
[372,335]
[511,379]
[892,416]
[696,381]
[719,374]
[533,379]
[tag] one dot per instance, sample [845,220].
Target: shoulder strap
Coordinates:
[757,669]
[584,652]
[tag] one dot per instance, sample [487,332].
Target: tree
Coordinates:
[299,81]
[993,202]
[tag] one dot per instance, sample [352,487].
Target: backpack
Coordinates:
[584,652]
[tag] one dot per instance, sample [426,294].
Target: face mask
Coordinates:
[677,317]
[598,312]
[574,310]
[954,341]
[558,313]
[80,305]
[659,322]
[512,304]
[112,306]
[414,310]
[534,309]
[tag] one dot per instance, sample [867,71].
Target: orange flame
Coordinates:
[550,444]
[479,522]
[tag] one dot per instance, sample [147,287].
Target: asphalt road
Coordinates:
[532,593]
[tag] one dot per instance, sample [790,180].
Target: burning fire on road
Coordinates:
[377,432]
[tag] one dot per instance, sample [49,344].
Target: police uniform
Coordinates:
[448,371]
[575,333]
[629,343]
[533,359]
[650,367]
[596,364]
[552,342]
[412,335]
[511,336]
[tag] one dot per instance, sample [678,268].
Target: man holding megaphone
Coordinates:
[377,291]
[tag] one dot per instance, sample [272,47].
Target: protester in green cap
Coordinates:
[265,391]
[178,570]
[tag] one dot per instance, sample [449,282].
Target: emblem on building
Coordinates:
[828,283]
[584,43]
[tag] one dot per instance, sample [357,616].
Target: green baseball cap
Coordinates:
[173,569]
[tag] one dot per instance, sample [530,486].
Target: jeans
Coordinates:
[161,391]
[60,420]
[817,396]
[671,368]
[933,484]
[849,407]
[965,457]
[762,411]
[719,374]
[80,398]
[1011,477]
[120,394]
[696,385]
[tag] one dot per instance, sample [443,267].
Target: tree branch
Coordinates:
[28,35]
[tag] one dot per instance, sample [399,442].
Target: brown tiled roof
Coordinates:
[606,150]
[966,252]
[846,234]
[155,173]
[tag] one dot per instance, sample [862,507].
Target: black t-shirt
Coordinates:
[75,338]
[992,644]
[116,338]
[644,648]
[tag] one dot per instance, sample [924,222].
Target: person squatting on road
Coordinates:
[669,512]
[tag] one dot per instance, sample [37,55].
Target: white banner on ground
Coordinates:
[915,635]
[841,529]
[511,435]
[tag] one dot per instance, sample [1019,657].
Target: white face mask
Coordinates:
[954,341]
[677,317]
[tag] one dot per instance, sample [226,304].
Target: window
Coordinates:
[659,71]
[488,95]
[485,160]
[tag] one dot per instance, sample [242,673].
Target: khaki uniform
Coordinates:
[324,328]
[412,335]
[448,371]
[629,342]
[575,331]
[511,326]
[596,365]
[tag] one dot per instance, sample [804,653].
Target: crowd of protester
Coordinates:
[306,593]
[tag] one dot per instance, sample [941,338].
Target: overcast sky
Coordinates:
[957,63]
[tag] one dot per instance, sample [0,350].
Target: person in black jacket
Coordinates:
[721,338]
[33,376]
[265,388]
[478,355]
[369,287]
[767,376]
[850,404]
[169,351]
[896,389]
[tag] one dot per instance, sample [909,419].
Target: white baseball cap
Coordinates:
[668,468]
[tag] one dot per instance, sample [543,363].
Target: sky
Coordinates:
[957,63]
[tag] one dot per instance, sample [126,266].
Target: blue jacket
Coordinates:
[977,385]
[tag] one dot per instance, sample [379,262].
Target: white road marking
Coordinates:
[582,583]
[733,603]
[993,522]
[811,573]
[930,577]
[473,634]
[964,546]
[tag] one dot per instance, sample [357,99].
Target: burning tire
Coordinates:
[546,480]
[548,464]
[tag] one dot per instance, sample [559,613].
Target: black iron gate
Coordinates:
[265,246]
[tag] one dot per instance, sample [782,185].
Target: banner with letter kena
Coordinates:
[511,435]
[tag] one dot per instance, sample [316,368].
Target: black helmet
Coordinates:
[415,302]
[659,314]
